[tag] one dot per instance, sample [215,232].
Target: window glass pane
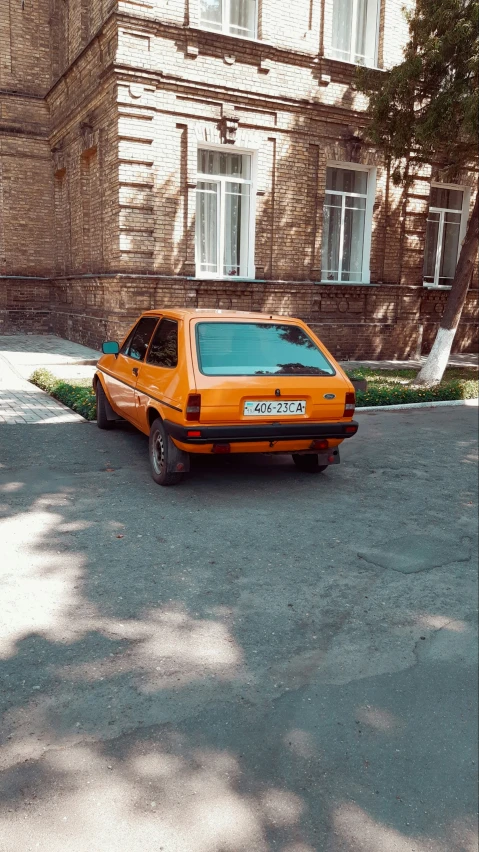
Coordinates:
[237,198]
[353,244]
[450,246]
[449,199]
[354,203]
[141,338]
[211,14]
[453,218]
[331,240]
[430,251]
[223,164]
[207,226]
[164,346]
[332,200]
[366,31]
[346,180]
[252,349]
[342,24]
[243,18]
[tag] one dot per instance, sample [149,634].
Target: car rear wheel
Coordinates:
[101,411]
[160,448]
[308,463]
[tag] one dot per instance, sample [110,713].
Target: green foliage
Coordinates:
[428,105]
[385,387]
[393,387]
[77,394]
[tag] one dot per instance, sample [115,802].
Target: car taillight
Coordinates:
[319,444]
[350,404]
[193,406]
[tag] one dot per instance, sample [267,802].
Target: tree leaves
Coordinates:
[427,106]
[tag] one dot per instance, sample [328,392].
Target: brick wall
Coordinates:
[370,322]
[98,149]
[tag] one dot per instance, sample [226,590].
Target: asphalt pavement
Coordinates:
[256,660]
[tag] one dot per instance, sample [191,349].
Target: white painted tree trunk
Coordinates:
[433,370]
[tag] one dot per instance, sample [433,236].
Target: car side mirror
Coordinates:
[110,347]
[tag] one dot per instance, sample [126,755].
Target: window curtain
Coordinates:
[211,14]
[243,17]
[353,239]
[342,24]
[207,224]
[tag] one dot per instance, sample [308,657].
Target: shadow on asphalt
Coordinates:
[211,667]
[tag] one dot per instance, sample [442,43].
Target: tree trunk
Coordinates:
[433,369]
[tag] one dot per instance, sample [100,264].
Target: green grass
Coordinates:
[385,387]
[394,387]
[75,393]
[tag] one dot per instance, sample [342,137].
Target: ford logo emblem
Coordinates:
[330,396]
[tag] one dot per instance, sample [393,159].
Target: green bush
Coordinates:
[393,387]
[76,394]
[385,387]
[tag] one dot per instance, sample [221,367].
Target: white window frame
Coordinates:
[225,22]
[352,53]
[223,179]
[368,219]
[466,195]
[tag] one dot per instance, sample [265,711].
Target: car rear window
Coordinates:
[258,349]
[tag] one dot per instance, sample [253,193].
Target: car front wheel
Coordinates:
[308,463]
[161,448]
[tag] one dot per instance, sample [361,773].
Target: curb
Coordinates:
[472,403]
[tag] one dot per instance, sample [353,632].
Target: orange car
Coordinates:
[210,381]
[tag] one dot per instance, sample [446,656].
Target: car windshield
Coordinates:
[258,349]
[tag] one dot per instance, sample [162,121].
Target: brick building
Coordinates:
[205,153]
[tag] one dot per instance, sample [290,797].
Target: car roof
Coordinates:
[213,313]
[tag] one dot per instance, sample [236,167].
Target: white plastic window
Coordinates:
[355,29]
[224,244]
[234,17]
[443,235]
[346,226]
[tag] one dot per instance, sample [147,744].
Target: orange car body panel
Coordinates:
[138,391]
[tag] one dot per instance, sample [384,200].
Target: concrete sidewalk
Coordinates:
[22,402]
[29,352]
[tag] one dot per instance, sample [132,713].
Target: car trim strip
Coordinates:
[259,432]
[134,387]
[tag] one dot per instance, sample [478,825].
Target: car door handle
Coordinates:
[135,371]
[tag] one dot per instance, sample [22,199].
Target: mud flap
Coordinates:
[178,460]
[110,414]
[332,457]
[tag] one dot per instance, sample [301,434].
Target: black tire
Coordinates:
[159,448]
[101,402]
[308,463]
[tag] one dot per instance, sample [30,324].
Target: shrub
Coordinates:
[393,388]
[77,395]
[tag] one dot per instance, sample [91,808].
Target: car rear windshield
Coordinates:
[258,349]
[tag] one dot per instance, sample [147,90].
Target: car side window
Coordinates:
[138,344]
[164,346]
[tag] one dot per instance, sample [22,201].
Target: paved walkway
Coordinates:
[28,352]
[467,359]
[22,402]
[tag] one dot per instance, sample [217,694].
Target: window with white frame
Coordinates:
[443,235]
[234,17]
[347,225]
[224,225]
[355,31]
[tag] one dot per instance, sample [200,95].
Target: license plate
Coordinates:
[282,408]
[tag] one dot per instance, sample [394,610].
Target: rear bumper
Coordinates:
[264,432]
